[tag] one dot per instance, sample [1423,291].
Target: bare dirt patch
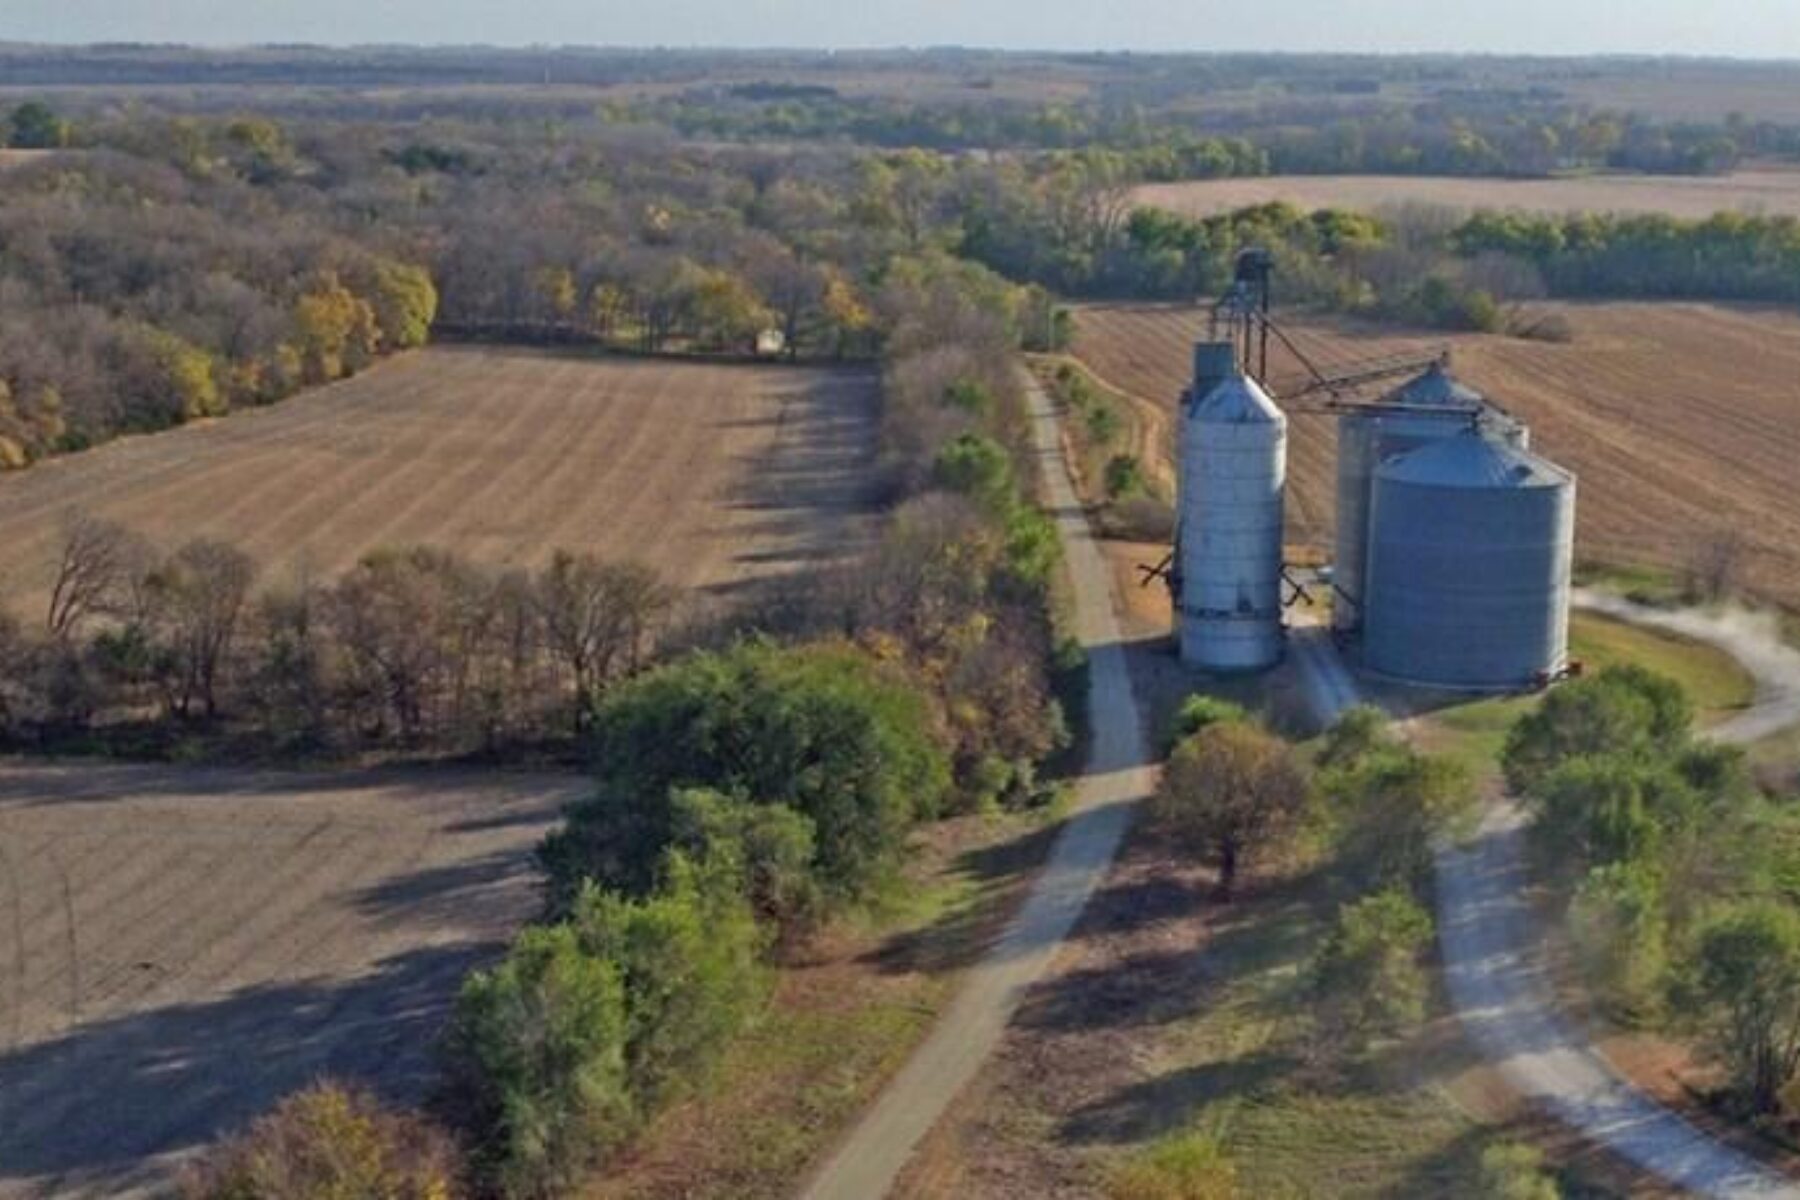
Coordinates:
[1772,191]
[1681,420]
[715,474]
[181,947]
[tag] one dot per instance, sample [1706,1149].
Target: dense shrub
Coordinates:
[1367,979]
[329,1142]
[821,729]
[536,1063]
[689,959]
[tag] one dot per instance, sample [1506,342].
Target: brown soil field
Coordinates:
[1682,421]
[1772,191]
[715,474]
[180,947]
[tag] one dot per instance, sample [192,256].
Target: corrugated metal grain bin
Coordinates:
[1471,545]
[1228,536]
[1429,408]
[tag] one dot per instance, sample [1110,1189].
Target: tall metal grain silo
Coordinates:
[1430,407]
[1471,543]
[1228,536]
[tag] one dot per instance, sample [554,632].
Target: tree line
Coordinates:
[412,650]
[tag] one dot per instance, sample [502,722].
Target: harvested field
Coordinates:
[715,474]
[178,947]
[1682,420]
[1772,191]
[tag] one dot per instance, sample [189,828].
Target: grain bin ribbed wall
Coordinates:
[1228,539]
[1429,408]
[1470,549]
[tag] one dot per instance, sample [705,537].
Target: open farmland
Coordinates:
[1682,420]
[179,948]
[714,474]
[1773,192]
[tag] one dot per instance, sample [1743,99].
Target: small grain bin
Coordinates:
[1471,542]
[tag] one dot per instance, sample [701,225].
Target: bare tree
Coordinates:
[1715,566]
[93,568]
[598,618]
[197,600]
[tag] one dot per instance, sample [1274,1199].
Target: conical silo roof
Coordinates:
[1436,387]
[1472,460]
[1237,400]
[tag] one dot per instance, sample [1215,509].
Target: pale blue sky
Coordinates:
[1749,28]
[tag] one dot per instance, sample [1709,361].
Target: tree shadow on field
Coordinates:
[479,893]
[82,1112]
[1148,1110]
[961,936]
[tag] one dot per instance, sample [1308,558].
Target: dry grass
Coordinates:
[179,947]
[1772,191]
[1682,420]
[714,474]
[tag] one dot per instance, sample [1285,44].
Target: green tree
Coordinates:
[1624,710]
[823,729]
[689,959]
[1367,979]
[1617,922]
[1388,809]
[1745,992]
[33,125]
[978,467]
[1232,791]
[1358,733]
[536,1061]
[769,846]
[1594,810]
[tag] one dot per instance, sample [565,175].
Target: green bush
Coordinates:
[1743,989]
[536,1062]
[769,846]
[1367,979]
[1124,477]
[1192,1166]
[1510,1171]
[1616,918]
[1199,711]
[1388,808]
[689,959]
[978,467]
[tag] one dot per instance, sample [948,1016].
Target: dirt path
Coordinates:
[1751,638]
[1488,940]
[1119,774]
[181,947]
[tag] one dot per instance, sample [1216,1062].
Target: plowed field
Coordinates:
[1772,191]
[179,948]
[715,474]
[1681,420]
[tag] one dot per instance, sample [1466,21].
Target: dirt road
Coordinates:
[181,947]
[1488,940]
[1118,775]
